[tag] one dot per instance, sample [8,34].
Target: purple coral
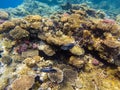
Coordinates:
[34,46]
[95,62]
[22,48]
[2,21]
[108,21]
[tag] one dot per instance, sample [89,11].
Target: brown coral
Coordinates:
[30,53]
[70,75]
[77,62]
[24,82]
[33,18]
[18,33]
[30,62]
[57,40]
[6,26]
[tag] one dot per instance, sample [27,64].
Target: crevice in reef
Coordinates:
[95,54]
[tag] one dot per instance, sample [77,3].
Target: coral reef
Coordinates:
[76,50]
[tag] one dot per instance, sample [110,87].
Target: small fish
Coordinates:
[67,46]
[48,70]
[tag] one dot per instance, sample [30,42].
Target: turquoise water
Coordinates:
[100,3]
[22,8]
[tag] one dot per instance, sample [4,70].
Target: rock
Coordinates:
[30,53]
[24,82]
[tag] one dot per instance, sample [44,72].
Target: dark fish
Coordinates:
[67,46]
[37,79]
[48,70]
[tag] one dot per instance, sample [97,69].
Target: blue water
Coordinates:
[10,3]
[111,7]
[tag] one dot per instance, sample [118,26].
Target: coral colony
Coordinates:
[70,50]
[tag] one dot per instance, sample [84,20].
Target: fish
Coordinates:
[48,70]
[67,46]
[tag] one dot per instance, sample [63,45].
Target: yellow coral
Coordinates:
[77,50]
[18,33]
[6,26]
[77,62]
[33,18]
